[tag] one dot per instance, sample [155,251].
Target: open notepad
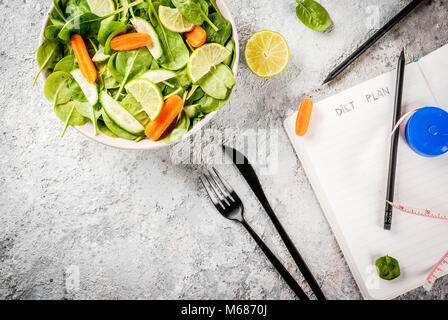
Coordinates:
[346,156]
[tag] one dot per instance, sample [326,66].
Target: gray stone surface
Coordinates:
[79,220]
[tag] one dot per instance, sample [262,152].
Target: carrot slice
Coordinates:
[86,65]
[171,109]
[196,37]
[303,117]
[130,41]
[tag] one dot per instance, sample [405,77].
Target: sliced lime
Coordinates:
[149,96]
[204,58]
[173,20]
[267,53]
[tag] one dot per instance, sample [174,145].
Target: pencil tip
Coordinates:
[328,79]
[402,54]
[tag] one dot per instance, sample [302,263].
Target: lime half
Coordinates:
[267,53]
[204,58]
[148,95]
[102,7]
[173,20]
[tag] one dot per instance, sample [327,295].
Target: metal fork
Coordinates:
[230,206]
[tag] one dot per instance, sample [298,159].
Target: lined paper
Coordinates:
[346,156]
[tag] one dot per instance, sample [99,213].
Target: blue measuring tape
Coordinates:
[427,132]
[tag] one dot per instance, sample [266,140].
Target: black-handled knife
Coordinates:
[245,168]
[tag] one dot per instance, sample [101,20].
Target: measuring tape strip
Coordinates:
[438,271]
[419,212]
[442,266]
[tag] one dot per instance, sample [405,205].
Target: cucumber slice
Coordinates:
[100,56]
[193,111]
[90,90]
[219,82]
[120,115]
[158,75]
[231,47]
[143,26]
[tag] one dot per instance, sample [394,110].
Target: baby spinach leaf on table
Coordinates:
[388,268]
[225,29]
[116,129]
[130,64]
[135,109]
[47,56]
[195,11]
[313,15]
[59,8]
[177,131]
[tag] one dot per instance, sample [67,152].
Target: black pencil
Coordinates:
[394,146]
[378,35]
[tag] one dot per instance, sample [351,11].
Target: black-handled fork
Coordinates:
[230,206]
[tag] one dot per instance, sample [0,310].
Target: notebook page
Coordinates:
[434,67]
[345,155]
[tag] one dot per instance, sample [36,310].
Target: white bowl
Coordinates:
[146,144]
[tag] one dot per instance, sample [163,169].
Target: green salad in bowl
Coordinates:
[138,74]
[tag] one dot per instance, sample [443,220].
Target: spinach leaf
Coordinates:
[210,104]
[51,32]
[105,130]
[177,130]
[195,94]
[58,6]
[77,92]
[108,30]
[47,56]
[127,65]
[178,52]
[68,114]
[388,268]
[75,7]
[313,15]
[195,11]
[66,64]
[215,6]
[57,88]
[225,29]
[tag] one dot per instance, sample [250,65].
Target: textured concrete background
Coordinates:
[79,220]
